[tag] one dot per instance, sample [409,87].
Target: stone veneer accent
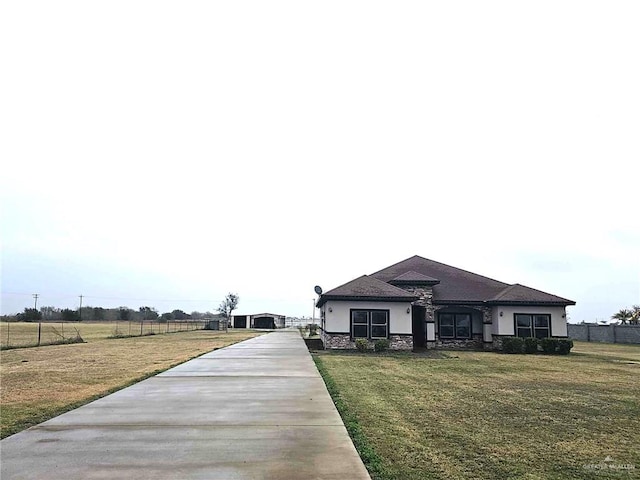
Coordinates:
[455,344]
[401,342]
[426,298]
[337,340]
[343,341]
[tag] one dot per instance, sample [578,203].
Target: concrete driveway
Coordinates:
[254,410]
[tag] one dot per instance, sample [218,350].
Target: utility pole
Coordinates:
[80,309]
[35,304]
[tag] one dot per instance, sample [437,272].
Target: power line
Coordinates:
[113,298]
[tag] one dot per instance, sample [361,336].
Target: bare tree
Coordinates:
[228,305]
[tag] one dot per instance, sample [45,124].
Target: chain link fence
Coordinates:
[33,334]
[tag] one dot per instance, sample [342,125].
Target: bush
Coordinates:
[362,345]
[549,345]
[564,346]
[531,345]
[512,345]
[381,345]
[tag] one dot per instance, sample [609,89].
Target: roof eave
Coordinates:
[506,303]
[458,302]
[558,303]
[359,298]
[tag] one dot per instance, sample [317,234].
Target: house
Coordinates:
[258,320]
[419,303]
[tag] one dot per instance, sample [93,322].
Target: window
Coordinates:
[454,325]
[373,324]
[359,324]
[532,325]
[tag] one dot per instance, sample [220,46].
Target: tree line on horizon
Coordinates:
[100,314]
[124,314]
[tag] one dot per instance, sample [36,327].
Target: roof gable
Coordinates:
[367,288]
[455,283]
[520,294]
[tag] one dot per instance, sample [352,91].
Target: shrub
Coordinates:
[549,345]
[512,345]
[531,345]
[362,345]
[564,346]
[381,345]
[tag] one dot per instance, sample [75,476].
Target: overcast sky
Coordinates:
[165,153]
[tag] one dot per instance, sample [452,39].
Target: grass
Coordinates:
[42,382]
[26,333]
[480,415]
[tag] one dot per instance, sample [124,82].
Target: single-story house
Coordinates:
[258,320]
[419,303]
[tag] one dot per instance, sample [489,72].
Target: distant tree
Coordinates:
[50,313]
[635,315]
[228,305]
[623,315]
[98,313]
[196,315]
[69,315]
[148,313]
[124,314]
[166,317]
[29,315]
[179,315]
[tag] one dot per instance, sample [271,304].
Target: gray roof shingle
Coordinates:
[457,285]
[519,294]
[415,278]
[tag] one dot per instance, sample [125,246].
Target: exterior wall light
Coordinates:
[330,309]
[408,309]
[501,313]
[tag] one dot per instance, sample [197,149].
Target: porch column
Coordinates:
[487,326]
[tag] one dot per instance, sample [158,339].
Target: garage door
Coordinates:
[264,322]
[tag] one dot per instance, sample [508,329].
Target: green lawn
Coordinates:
[461,415]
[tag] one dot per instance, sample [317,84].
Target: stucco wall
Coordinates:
[505,324]
[338,320]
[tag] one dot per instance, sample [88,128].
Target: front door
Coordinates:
[418,318]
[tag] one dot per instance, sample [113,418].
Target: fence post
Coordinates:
[614,333]
[8,323]
[141,324]
[39,332]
